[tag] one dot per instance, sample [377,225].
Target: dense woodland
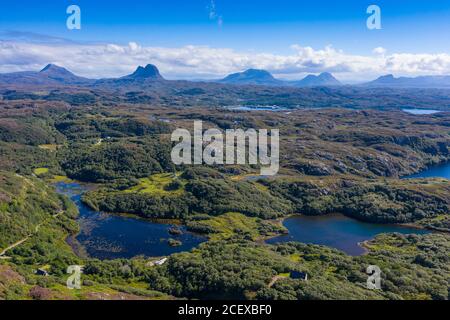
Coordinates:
[332,160]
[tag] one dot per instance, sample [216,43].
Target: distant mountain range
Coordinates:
[149,72]
[404,82]
[322,80]
[263,77]
[149,75]
[252,76]
[50,75]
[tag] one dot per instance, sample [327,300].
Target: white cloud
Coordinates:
[213,15]
[212,10]
[113,60]
[380,50]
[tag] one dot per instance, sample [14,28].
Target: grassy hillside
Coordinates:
[34,224]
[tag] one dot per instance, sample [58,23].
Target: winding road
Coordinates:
[18,243]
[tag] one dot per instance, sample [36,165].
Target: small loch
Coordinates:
[107,236]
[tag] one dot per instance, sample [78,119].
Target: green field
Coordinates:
[158,184]
[40,171]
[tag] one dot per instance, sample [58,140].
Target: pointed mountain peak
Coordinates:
[148,72]
[323,79]
[388,79]
[60,74]
[51,68]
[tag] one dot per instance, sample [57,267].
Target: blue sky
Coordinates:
[408,25]
[260,26]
